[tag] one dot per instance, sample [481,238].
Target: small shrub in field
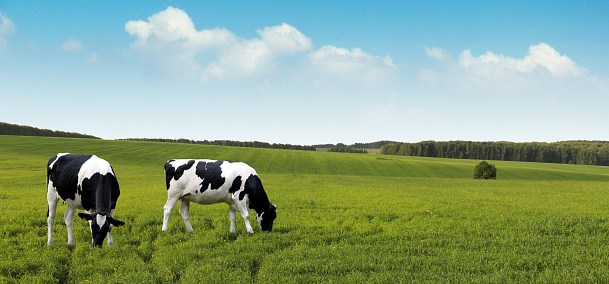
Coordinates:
[484,170]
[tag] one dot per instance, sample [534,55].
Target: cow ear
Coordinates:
[86,217]
[273,207]
[115,222]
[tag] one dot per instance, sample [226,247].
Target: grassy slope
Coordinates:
[150,156]
[342,218]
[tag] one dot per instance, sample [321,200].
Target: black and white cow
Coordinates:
[209,182]
[83,182]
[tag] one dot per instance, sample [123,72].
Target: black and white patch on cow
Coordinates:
[83,182]
[209,182]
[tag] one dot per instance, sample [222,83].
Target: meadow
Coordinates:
[342,218]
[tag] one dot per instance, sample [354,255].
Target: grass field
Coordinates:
[342,218]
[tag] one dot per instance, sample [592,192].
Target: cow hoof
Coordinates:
[110,245]
[49,243]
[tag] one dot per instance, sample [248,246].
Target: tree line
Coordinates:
[565,152]
[371,145]
[347,150]
[22,130]
[251,144]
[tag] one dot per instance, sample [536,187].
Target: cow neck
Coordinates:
[258,199]
[103,195]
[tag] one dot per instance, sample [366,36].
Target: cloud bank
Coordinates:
[171,41]
[541,65]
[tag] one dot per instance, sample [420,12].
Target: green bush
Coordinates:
[484,170]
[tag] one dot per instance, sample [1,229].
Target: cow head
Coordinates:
[100,225]
[266,218]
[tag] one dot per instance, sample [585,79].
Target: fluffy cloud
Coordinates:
[285,39]
[542,64]
[541,58]
[173,25]
[542,71]
[171,41]
[352,65]
[171,38]
[7,27]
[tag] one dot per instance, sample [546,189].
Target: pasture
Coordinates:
[342,218]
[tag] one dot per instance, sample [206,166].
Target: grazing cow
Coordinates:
[83,182]
[209,182]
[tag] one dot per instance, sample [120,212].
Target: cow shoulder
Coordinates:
[93,165]
[64,171]
[174,169]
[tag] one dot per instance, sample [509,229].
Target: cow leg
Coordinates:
[110,241]
[69,219]
[232,212]
[52,200]
[171,202]
[184,211]
[242,207]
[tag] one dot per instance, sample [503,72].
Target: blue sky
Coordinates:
[308,72]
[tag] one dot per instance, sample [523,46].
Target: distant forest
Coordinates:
[254,144]
[354,148]
[22,130]
[566,152]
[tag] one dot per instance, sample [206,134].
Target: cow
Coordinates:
[209,182]
[83,182]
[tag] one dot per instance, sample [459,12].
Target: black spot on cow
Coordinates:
[173,173]
[64,174]
[236,185]
[211,174]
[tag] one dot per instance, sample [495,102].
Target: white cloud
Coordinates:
[285,39]
[541,58]
[540,67]
[7,27]
[245,58]
[173,25]
[559,65]
[171,39]
[72,45]
[352,65]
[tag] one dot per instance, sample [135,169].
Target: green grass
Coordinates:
[345,218]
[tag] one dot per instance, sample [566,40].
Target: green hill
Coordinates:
[151,156]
